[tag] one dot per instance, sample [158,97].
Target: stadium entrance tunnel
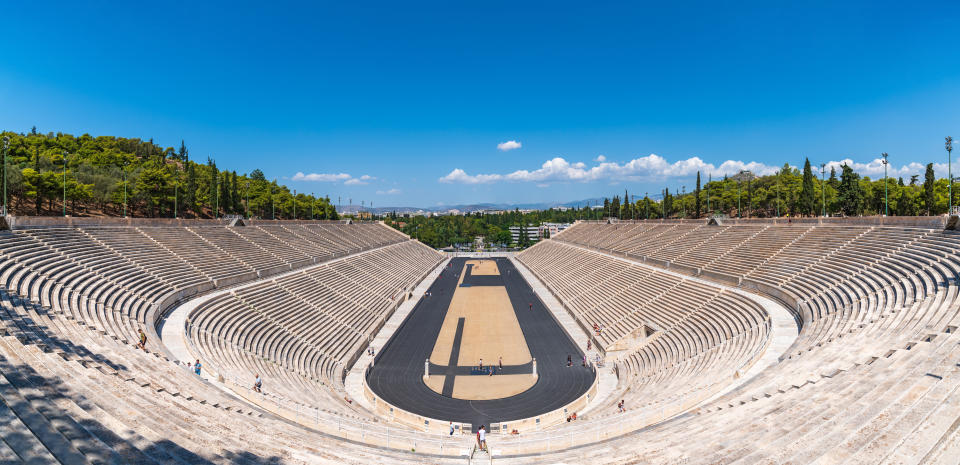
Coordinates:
[480,348]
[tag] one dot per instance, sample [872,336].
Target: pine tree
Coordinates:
[182,153]
[235,192]
[190,189]
[849,192]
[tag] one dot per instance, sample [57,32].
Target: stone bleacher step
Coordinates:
[58,434]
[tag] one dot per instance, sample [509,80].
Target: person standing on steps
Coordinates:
[257,383]
[196,367]
[451,428]
[482,438]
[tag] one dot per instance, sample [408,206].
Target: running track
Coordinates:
[397,372]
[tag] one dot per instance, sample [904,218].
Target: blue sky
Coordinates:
[405,104]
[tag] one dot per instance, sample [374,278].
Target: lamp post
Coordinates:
[294,204]
[246,205]
[663,203]
[683,200]
[123,172]
[313,202]
[176,195]
[216,210]
[777,186]
[823,190]
[886,208]
[273,202]
[709,178]
[6,146]
[64,183]
[738,197]
[646,205]
[949,146]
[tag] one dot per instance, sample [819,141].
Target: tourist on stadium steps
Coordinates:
[569,360]
[500,364]
[257,383]
[482,438]
[143,341]
[196,367]
[451,428]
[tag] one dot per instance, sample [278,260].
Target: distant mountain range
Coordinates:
[470,207]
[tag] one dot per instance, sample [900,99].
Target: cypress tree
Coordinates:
[696,193]
[807,194]
[929,200]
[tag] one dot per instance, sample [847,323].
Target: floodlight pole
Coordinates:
[123,171]
[949,146]
[6,146]
[216,211]
[176,195]
[312,202]
[294,204]
[273,201]
[246,206]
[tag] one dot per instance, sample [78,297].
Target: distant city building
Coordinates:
[537,233]
[533,234]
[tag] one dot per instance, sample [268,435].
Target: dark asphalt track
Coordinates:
[397,373]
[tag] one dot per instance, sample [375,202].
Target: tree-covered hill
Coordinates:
[790,192]
[107,176]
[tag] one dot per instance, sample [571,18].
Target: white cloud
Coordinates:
[649,168]
[361,181]
[508,145]
[460,176]
[600,158]
[655,168]
[321,177]
[874,168]
[333,177]
[393,191]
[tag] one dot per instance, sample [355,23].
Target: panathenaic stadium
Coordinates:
[821,340]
